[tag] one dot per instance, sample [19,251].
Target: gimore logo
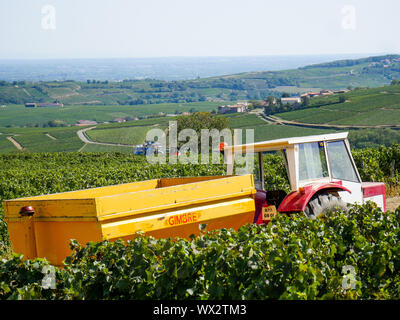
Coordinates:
[183,218]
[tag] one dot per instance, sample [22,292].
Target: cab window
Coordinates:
[312,161]
[340,163]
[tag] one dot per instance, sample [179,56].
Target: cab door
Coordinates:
[342,168]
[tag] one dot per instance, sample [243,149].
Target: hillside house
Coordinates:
[291,100]
[266,103]
[325,92]
[237,108]
[340,91]
[310,94]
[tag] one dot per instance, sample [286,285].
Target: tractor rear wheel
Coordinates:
[324,202]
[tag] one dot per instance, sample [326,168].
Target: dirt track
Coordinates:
[15,143]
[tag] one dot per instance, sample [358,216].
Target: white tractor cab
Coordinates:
[321,172]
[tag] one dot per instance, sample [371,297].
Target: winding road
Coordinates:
[82,135]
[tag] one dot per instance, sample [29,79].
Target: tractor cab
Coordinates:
[320,169]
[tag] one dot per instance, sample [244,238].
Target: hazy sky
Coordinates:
[158,28]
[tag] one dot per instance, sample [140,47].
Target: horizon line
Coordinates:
[211,56]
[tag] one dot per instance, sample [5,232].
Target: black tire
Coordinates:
[324,202]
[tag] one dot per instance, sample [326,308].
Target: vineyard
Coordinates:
[292,258]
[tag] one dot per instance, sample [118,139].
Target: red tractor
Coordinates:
[321,172]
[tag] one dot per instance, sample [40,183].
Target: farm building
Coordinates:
[340,91]
[291,100]
[233,108]
[325,92]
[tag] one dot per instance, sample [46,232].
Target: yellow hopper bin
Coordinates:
[43,226]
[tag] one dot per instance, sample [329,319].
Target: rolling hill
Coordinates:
[365,72]
[374,108]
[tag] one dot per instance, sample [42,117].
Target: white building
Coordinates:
[291,100]
[240,107]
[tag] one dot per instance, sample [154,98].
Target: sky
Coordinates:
[49,29]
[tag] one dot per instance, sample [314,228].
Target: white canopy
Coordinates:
[284,143]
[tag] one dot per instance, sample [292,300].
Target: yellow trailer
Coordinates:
[43,226]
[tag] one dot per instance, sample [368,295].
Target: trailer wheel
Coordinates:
[323,202]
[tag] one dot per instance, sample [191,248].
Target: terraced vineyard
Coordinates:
[370,107]
[127,135]
[19,115]
[36,140]
[5,145]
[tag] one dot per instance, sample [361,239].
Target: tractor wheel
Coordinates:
[324,202]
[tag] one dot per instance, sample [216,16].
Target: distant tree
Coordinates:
[285,95]
[395,82]
[88,81]
[342,98]
[56,123]
[198,121]
[271,100]
[202,120]
[305,101]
